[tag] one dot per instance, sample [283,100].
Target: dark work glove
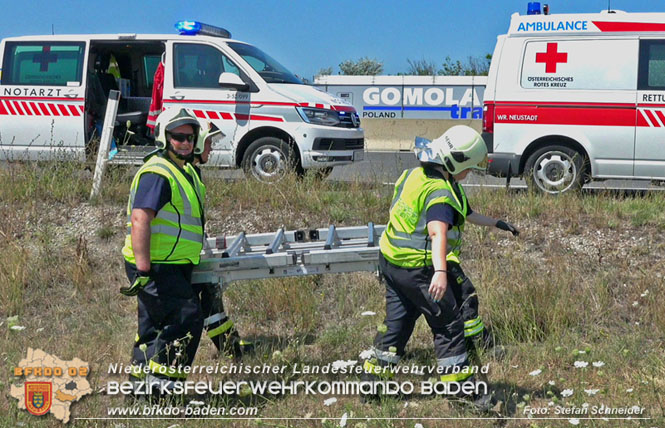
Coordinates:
[141,279]
[504,225]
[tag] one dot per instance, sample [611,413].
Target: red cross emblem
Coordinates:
[44,58]
[551,58]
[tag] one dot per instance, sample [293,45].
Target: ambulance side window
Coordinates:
[52,64]
[199,66]
[652,65]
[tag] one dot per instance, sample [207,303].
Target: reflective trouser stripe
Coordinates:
[136,338]
[473,327]
[151,381]
[137,372]
[389,357]
[457,377]
[382,372]
[221,329]
[455,360]
[214,318]
[171,372]
[454,363]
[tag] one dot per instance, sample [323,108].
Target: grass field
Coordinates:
[577,300]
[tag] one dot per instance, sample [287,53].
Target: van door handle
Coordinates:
[71,94]
[177,97]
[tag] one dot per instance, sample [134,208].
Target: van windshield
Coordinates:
[262,63]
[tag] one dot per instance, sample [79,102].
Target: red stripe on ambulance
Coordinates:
[632,27]
[550,115]
[17,107]
[35,109]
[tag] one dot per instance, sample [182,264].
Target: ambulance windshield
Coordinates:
[270,70]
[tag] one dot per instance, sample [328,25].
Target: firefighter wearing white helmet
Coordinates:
[165,224]
[219,327]
[420,250]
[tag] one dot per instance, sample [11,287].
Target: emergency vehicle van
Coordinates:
[54,90]
[571,98]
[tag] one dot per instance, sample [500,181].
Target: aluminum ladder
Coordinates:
[289,253]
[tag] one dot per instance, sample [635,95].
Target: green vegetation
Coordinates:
[584,282]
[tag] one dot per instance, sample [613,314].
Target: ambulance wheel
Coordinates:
[269,159]
[554,170]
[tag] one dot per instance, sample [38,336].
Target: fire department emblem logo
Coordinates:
[38,397]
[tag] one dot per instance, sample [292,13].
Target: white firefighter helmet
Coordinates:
[458,149]
[208,131]
[170,119]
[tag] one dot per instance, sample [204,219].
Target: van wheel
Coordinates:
[554,170]
[269,159]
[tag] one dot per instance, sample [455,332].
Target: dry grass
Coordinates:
[575,280]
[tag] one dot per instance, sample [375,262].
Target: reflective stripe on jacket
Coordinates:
[405,241]
[176,232]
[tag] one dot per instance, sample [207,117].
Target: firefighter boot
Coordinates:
[487,342]
[230,343]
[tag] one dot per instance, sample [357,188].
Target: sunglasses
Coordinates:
[182,137]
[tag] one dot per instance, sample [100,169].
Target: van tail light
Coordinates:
[488,117]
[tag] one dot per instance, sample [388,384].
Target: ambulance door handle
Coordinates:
[177,96]
[71,94]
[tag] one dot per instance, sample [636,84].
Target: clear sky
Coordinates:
[307,35]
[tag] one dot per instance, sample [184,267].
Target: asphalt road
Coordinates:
[386,166]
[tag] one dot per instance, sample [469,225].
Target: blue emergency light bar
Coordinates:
[533,8]
[194,28]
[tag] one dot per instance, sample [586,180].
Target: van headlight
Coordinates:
[319,116]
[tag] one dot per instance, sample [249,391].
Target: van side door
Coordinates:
[42,93]
[191,81]
[650,134]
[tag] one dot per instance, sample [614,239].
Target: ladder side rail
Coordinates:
[296,270]
[257,239]
[302,247]
[349,232]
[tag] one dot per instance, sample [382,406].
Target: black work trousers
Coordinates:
[217,324]
[407,297]
[170,318]
[469,305]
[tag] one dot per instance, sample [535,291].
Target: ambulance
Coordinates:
[574,98]
[54,91]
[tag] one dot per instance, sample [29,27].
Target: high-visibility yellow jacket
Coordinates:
[176,232]
[405,241]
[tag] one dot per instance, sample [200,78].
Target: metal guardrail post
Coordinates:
[105,142]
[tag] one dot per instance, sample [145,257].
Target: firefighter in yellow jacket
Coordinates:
[165,224]
[420,250]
